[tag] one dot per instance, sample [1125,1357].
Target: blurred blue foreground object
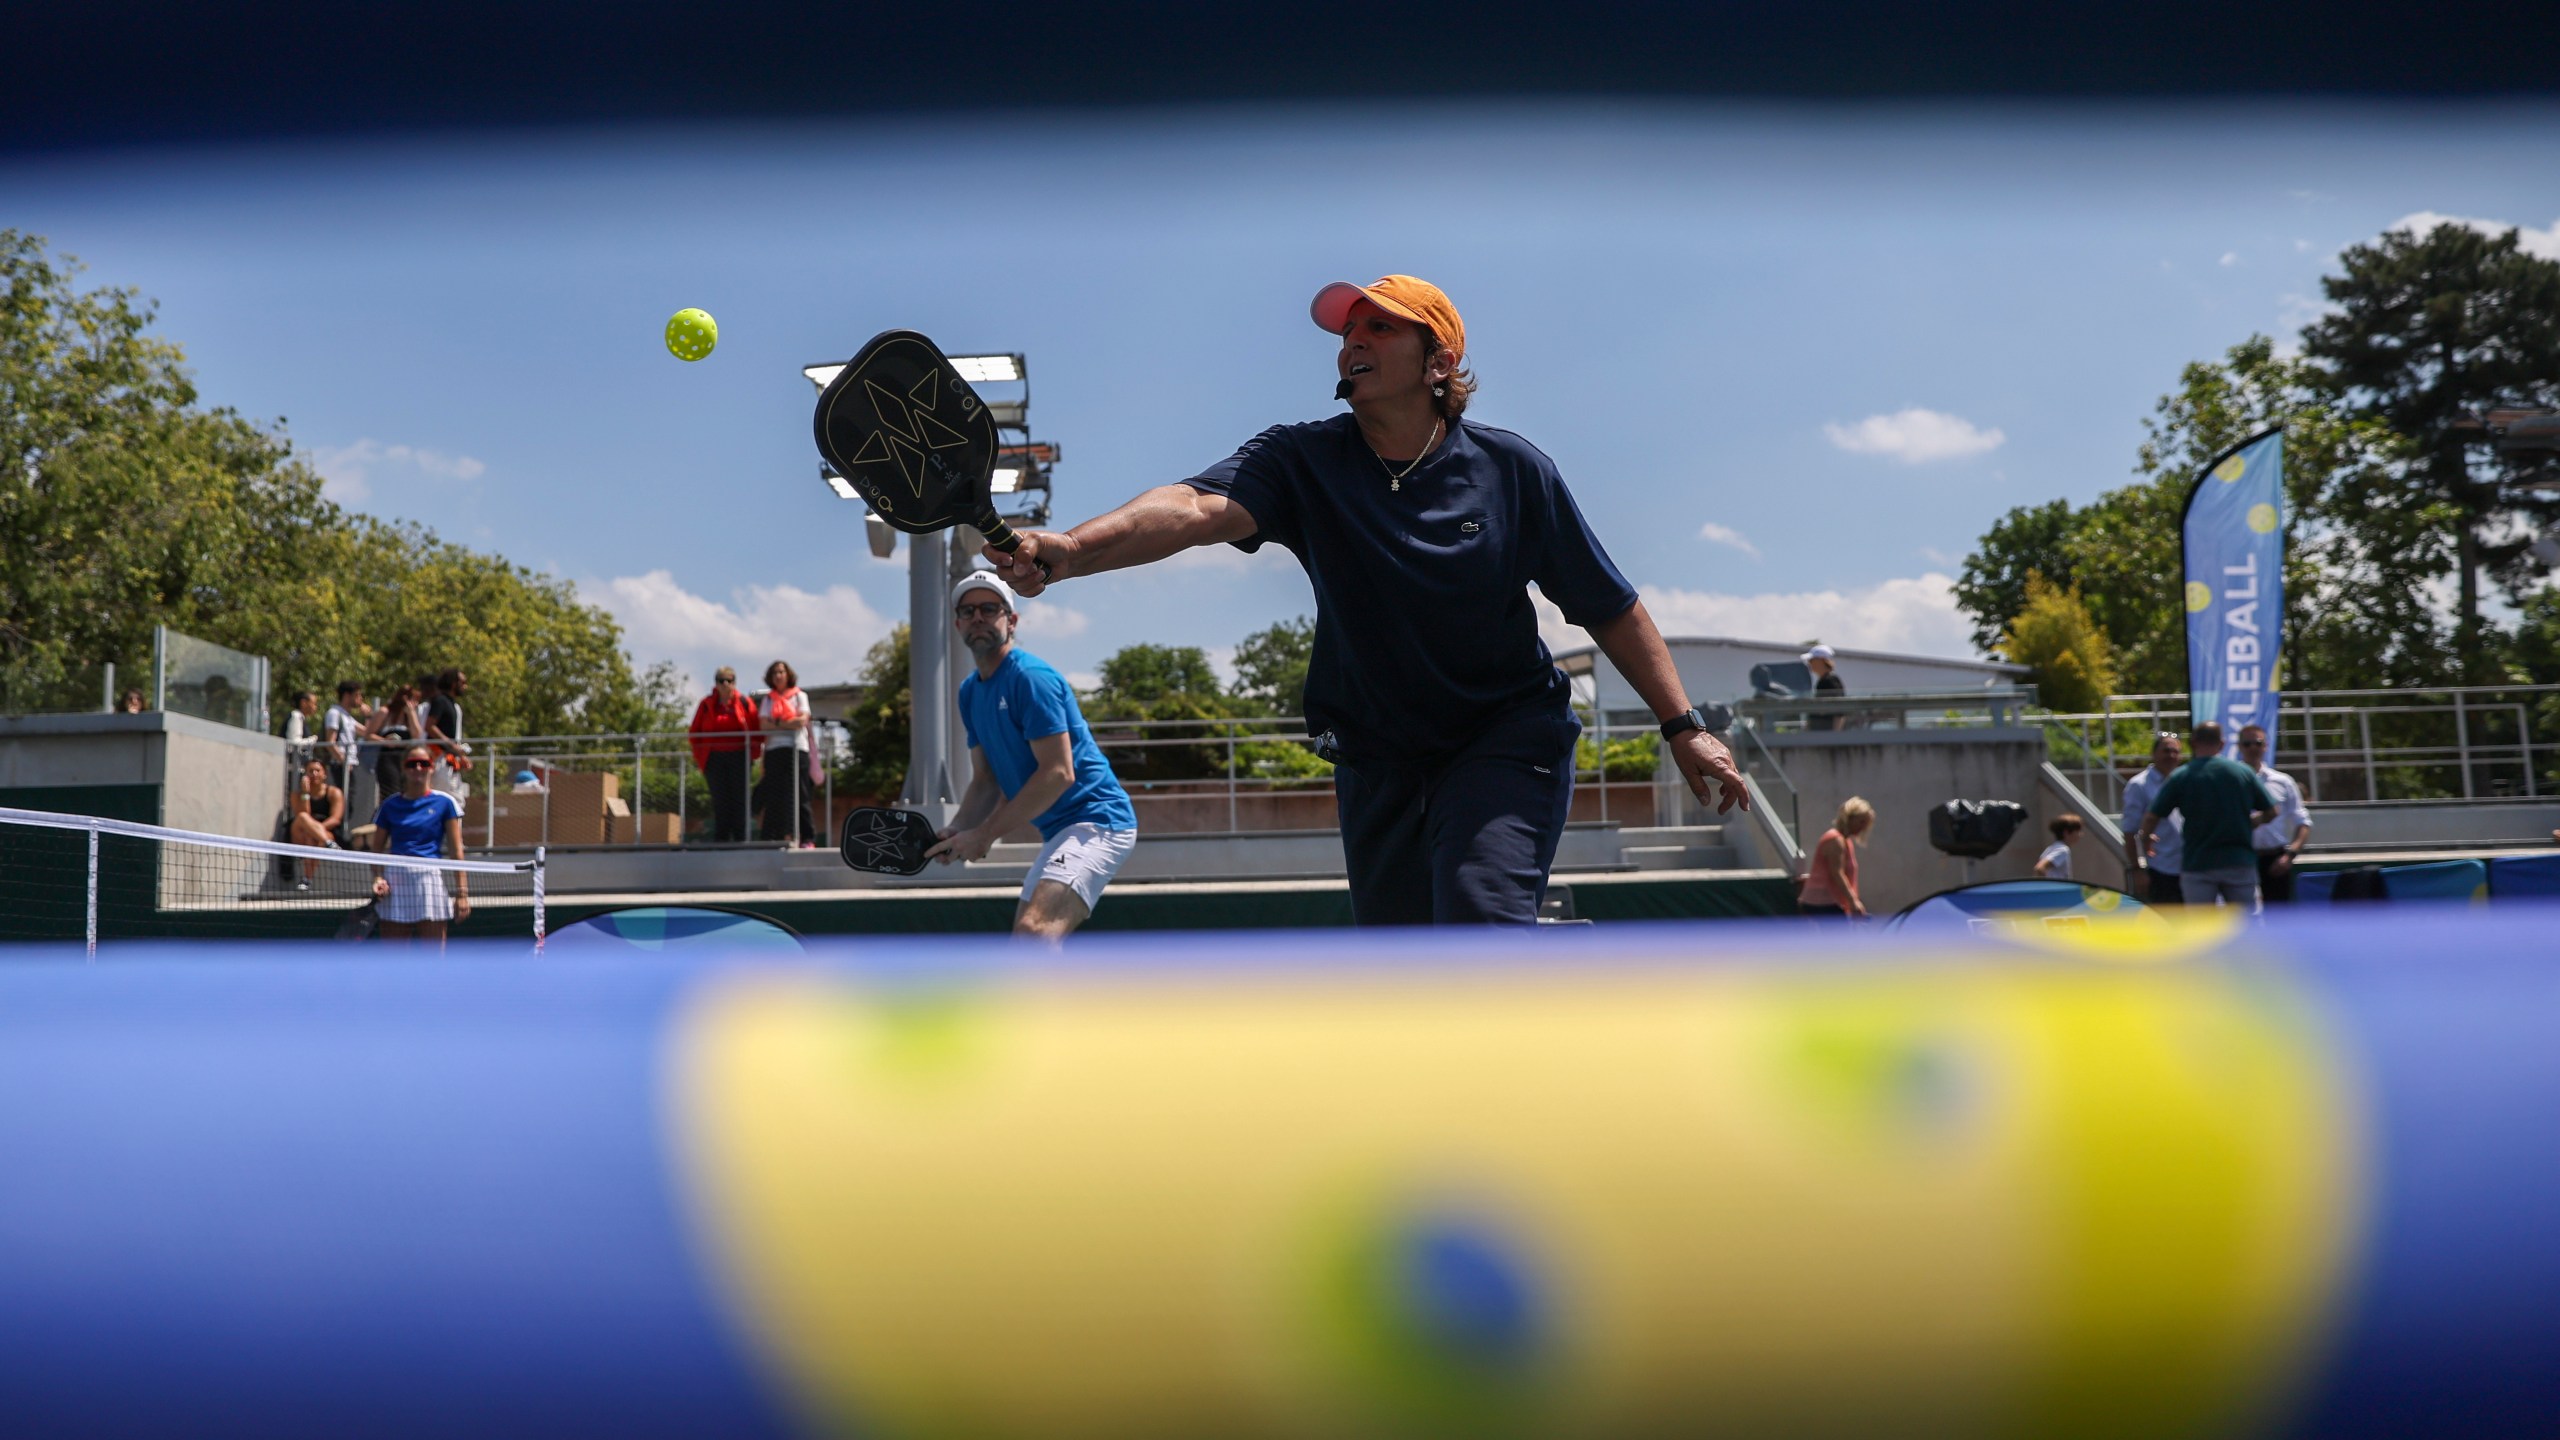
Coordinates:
[2129,1176]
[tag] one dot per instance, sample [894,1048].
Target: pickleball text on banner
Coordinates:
[2234,548]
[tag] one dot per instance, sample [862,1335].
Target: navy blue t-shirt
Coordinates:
[1425,634]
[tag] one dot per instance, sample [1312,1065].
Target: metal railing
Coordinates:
[1889,710]
[2349,747]
[1259,774]
[627,789]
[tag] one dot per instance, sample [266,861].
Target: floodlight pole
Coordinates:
[929,684]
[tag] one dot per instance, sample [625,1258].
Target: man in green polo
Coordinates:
[2218,802]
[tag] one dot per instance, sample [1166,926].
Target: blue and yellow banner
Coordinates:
[2234,547]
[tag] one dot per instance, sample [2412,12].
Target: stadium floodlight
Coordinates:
[843,487]
[988,369]
[820,375]
[1004,481]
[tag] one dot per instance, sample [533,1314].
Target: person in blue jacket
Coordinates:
[1033,762]
[1450,727]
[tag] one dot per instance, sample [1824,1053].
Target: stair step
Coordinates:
[1682,857]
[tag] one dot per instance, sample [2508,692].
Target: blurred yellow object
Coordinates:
[1960,1199]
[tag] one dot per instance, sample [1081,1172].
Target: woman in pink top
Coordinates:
[1831,881]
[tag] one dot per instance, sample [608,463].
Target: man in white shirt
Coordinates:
[2279,842]
[2153,878]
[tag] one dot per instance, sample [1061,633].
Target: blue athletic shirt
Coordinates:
[1425,634]
[1026,701]
[416,827]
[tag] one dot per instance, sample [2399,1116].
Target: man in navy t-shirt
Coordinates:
[1034,763]
[1448,722]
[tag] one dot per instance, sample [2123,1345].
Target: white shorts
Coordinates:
[1083,857]
[416,895]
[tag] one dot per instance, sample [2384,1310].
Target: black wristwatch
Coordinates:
[1684,722]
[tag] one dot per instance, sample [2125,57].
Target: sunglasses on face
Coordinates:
[417,764]
[988,608]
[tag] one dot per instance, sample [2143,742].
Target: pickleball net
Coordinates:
[82,879]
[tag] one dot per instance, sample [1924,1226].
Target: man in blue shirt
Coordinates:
[1034,763]
[1449,725]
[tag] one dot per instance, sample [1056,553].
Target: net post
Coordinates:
[537,898]
[92,906]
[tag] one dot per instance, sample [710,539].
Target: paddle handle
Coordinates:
[1001,536]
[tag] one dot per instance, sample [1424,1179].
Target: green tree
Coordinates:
[2356,558]
[880,726]
[124,504]
[2429,330]
[1271,668]
[1161,683]
[2055,636]
[1993,585]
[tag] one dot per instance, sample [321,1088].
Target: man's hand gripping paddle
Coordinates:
[906,431]
[887,842]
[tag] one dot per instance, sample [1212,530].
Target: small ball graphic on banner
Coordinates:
[2230,470]
[2262,517]
[691,334]
[2199,595]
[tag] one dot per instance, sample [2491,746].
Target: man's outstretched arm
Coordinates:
[1161,522]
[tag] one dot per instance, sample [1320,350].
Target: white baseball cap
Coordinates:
[1818,652]
[981,580]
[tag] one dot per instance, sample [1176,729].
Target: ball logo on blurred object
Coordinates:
[692,334]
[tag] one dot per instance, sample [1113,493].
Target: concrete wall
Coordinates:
[2429,824]
[216,778]
[1906,773]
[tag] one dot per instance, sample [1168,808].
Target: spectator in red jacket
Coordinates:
[726,741]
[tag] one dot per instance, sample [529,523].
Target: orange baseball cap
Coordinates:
[1402,296]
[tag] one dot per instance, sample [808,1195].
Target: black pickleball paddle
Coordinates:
[901,426]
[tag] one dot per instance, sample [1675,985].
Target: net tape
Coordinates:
[54,820]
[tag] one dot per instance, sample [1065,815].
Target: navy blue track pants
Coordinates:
[1466,839]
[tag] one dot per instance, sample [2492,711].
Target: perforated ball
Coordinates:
[691,334]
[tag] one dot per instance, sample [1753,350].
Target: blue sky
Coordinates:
[1793,361]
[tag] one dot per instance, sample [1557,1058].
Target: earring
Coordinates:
[1439,389]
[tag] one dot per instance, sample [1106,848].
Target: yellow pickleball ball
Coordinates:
[691,334]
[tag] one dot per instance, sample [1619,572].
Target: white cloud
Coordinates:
[347,471]
[823,635]
[1725,535]
[2301,247]
[1083,680]
[2544,242]
[1222,659]
[1048,621]
[2230,257]
[1915,436]
[1916,616]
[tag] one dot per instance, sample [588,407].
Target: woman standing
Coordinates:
[724,742]
[427,825]
[783,714]
[394,724]
[1831,883]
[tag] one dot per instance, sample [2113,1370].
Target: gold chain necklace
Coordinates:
[1395,477]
